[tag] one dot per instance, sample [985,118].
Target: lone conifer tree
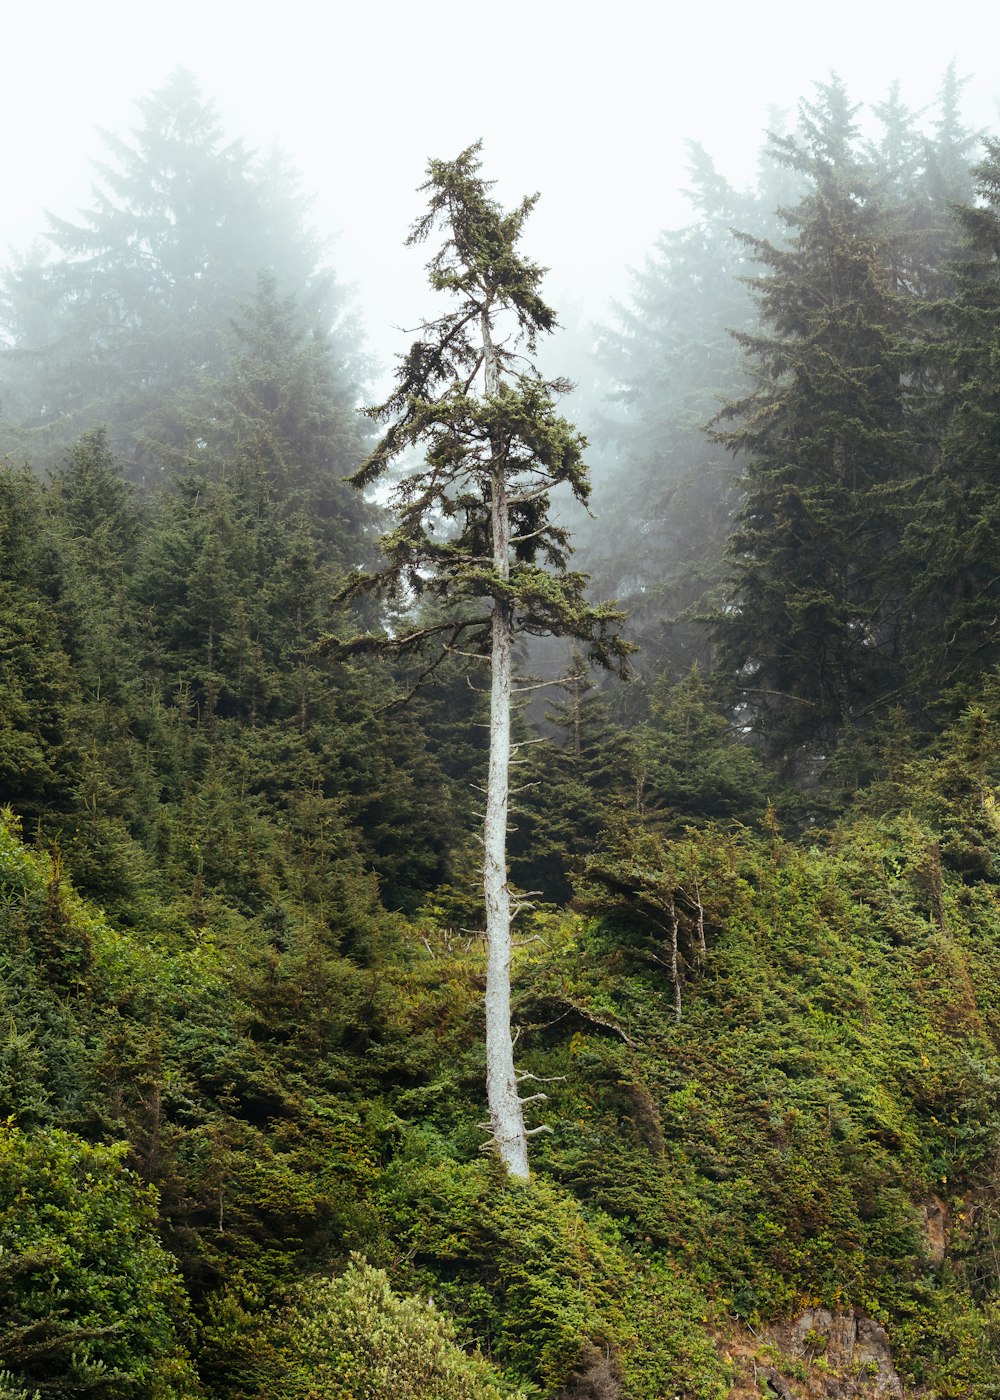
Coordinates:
[475,531]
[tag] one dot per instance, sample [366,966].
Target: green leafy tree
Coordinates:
[474,528]
[352,1338]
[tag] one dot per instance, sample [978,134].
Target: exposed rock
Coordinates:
[778,1386]
[856,1358]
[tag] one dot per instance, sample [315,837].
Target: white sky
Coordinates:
[591,105]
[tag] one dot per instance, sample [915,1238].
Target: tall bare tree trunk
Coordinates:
[506,1113]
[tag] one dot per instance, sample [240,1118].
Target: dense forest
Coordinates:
[754,858]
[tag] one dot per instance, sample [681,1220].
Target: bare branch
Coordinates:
[527,496]
[535,534]
[590,1016]
[468,655]
[538,685]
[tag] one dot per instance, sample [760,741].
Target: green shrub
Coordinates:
[90,1300]
[352,1338]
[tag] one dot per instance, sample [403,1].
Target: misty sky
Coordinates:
[590,105]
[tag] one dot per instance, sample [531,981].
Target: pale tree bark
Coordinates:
[528,449]
[506,1113]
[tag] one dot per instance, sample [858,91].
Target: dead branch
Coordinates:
[593,1018]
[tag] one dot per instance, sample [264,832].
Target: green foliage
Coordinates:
[834,1061]
[546,1289]
[762,1060]
[352,1338]
[91,1301]
[155,1039]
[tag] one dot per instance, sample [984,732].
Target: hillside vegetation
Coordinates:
[242,1148]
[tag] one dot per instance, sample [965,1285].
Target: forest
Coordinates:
[747,593]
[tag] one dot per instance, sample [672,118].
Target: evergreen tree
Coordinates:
[283,418]
[130,309]
[572,784]
[815,628]
[950,149]
[686,763]
[474,528]
[952,541]
[918,179]
[665,497]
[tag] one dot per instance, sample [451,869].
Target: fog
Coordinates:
[590,106]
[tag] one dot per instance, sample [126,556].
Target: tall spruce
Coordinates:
[952,542]
[475,531]
[815,625]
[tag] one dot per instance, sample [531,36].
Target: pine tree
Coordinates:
[474,528]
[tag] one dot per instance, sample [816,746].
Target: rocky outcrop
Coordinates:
[819,1355]
[844,1354]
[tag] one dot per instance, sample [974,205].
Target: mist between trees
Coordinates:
[736,921]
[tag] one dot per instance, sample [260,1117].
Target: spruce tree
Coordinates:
[815,625]
[952,541]
[475,532]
